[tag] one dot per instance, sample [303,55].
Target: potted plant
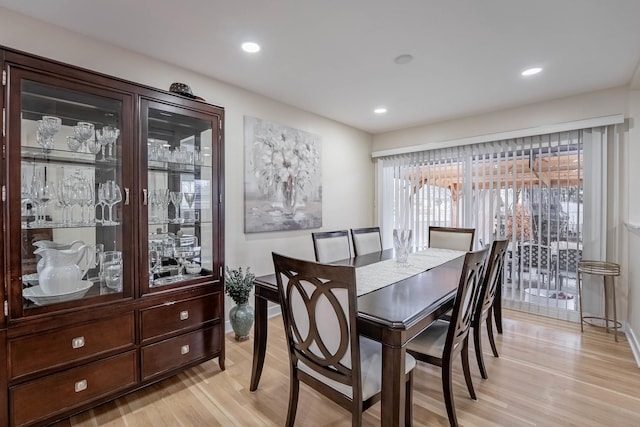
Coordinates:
[238,286]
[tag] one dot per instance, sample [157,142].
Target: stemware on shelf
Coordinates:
[41,193]
[153,204]
[176,199]
[83,132]
[111,195]
[107,137]
[63,195]
[73,143]
[189,198]
[47,127]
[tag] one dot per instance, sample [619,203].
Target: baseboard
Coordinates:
[272,311]
[635,345]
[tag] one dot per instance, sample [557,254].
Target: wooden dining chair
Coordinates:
[486,296]
[331,246]
[319,309]
[460,239]
[443,340]
[366,240]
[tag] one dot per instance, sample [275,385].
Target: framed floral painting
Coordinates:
[283,185]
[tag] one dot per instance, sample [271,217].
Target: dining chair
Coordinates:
[486,296]
[537,257]
[443,340]
[331,246]
[567,264]
[366,240]
[319,309]
[460,239]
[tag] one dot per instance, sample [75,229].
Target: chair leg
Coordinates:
[356,416]
[408,403]
[477,341]
[465,367]
[294,389]
[491,338]
[447,391]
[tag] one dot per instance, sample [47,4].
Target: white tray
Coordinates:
[36,294]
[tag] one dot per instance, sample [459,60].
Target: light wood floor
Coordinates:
[548,374]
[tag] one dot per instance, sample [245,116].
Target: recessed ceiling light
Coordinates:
[380,110]
[531,71]
[251,47]
[403,59]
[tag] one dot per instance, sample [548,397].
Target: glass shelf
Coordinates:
[65,157]
[93,224]
[176,167]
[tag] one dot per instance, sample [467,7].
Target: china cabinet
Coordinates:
[114,247]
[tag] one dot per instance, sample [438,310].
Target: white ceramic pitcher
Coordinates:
[53,245]
[61,272]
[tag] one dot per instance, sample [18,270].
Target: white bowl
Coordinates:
[193,268]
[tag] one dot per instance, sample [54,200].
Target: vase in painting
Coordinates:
[289,196]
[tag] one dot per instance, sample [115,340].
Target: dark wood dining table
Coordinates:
[392,315]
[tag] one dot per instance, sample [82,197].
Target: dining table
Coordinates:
[392,315]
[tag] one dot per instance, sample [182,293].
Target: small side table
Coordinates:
[608,271]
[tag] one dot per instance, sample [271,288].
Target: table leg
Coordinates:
[259,341]
[393,387]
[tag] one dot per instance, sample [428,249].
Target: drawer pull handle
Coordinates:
[80,386]
[77,342]
[184,349]
[184,315]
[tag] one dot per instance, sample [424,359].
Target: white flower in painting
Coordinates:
[283,155]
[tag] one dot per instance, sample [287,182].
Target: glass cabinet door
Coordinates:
[72,190]
[181,195]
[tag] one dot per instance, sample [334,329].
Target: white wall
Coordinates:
[632,159]
[590,105]
[347,169]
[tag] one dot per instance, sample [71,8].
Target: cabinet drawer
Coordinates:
[40,399]
[57,347]
[180,315]
[178,351]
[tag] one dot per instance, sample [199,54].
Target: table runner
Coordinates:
[380,274]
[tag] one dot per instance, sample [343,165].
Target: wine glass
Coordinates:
[48,126]
[73,143]
[165,200]
[107,136]
[102,202]
[189,198]
[84,131]
[176,199]
[93,146]
[62,194]
[43,193]
[114,196]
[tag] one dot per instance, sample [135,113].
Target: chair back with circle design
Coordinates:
[466,296]
[319,311]
[491,280]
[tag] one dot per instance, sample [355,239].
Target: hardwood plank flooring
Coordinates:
[548,374]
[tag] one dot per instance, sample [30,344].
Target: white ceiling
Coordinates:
[335,57]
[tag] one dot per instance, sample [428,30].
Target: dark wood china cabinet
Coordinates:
[113,237]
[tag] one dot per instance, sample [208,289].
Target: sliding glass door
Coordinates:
[527,190]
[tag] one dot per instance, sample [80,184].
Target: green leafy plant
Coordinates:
[238,285]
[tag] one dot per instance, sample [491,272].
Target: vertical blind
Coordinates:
[528,190]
